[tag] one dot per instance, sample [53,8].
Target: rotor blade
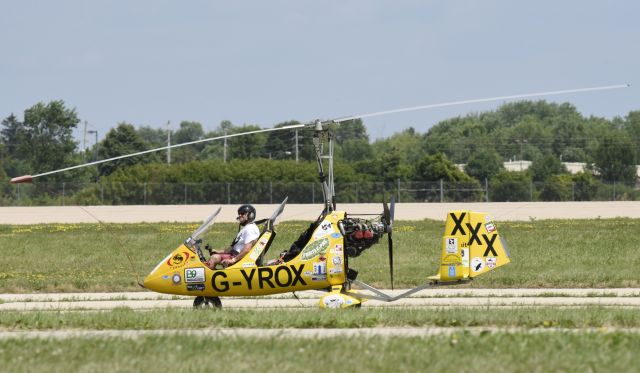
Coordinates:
[478,100]
[28,178]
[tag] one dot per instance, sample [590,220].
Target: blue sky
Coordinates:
[263,62]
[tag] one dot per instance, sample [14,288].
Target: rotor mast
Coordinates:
[326,181]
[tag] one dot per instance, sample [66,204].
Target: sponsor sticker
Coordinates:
[335,271]
[465,257]
[315,249]
[176,279]
[248,265]
[491,261]
[333,301]
[335,235]
[452,271]
[490,227]
[319,268]
[477,264]
[166,277]
[178,260]
[192,275]
[195,287]
[452,245]
[337,260]
[325,228]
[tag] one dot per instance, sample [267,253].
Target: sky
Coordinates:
[147,62]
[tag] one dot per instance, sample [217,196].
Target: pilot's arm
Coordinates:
[247,247]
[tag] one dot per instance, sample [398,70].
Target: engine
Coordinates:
[359,234]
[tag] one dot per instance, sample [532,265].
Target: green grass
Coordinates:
[92,257]
[459,352]
[124,318]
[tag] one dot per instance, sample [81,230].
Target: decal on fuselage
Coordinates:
[272,277]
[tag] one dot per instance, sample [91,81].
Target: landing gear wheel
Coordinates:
[207,302]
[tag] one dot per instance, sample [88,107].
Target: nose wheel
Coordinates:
[207,302]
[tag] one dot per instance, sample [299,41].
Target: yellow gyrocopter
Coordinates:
[319,259]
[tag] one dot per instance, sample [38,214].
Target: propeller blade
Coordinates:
[392,214]
[387,219]
[391,258]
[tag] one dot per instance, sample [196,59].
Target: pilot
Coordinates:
[246,238]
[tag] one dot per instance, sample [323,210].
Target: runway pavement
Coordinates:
[500,211]
[440,298]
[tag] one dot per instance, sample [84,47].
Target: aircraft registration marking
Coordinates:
[281,276]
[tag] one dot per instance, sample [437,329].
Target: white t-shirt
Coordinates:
[248,233]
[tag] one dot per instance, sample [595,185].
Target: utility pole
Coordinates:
[168,142]
[84,142]
[296,146]
[95,149]
[224,150]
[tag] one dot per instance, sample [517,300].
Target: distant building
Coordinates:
[572,167]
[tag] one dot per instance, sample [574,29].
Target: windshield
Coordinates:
[202,229]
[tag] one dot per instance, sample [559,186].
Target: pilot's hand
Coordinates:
[228,262]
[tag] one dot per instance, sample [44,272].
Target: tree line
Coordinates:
[544,133]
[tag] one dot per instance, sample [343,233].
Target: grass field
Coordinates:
[124,318]
[459,352]
[92,257]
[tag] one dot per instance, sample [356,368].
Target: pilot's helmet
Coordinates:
[248,209]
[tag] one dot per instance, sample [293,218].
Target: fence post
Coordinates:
[356,184]
[441,191]
[614,190]
[486,190]
[573,191]
[102,193]
[531,191]
[185,193]
[270,192]
[144,193]
[228,193]
[63,185]
[313,192]
[398,190]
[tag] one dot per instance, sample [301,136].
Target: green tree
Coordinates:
[615,158]
[544,167]
[188,132]
[585,186]
[557,188]
[484,164]
[44,140]
[438,167]
[510,187]
[122,140]
[153,137]
[281,144]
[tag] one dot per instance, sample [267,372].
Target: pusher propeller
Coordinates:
[388,225]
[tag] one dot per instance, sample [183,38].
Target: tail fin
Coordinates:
[471,246]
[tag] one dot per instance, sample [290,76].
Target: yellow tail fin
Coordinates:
[471,246]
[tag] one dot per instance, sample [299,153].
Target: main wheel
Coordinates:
[213,302]
[207,302]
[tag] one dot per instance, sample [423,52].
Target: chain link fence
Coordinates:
[61,194]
